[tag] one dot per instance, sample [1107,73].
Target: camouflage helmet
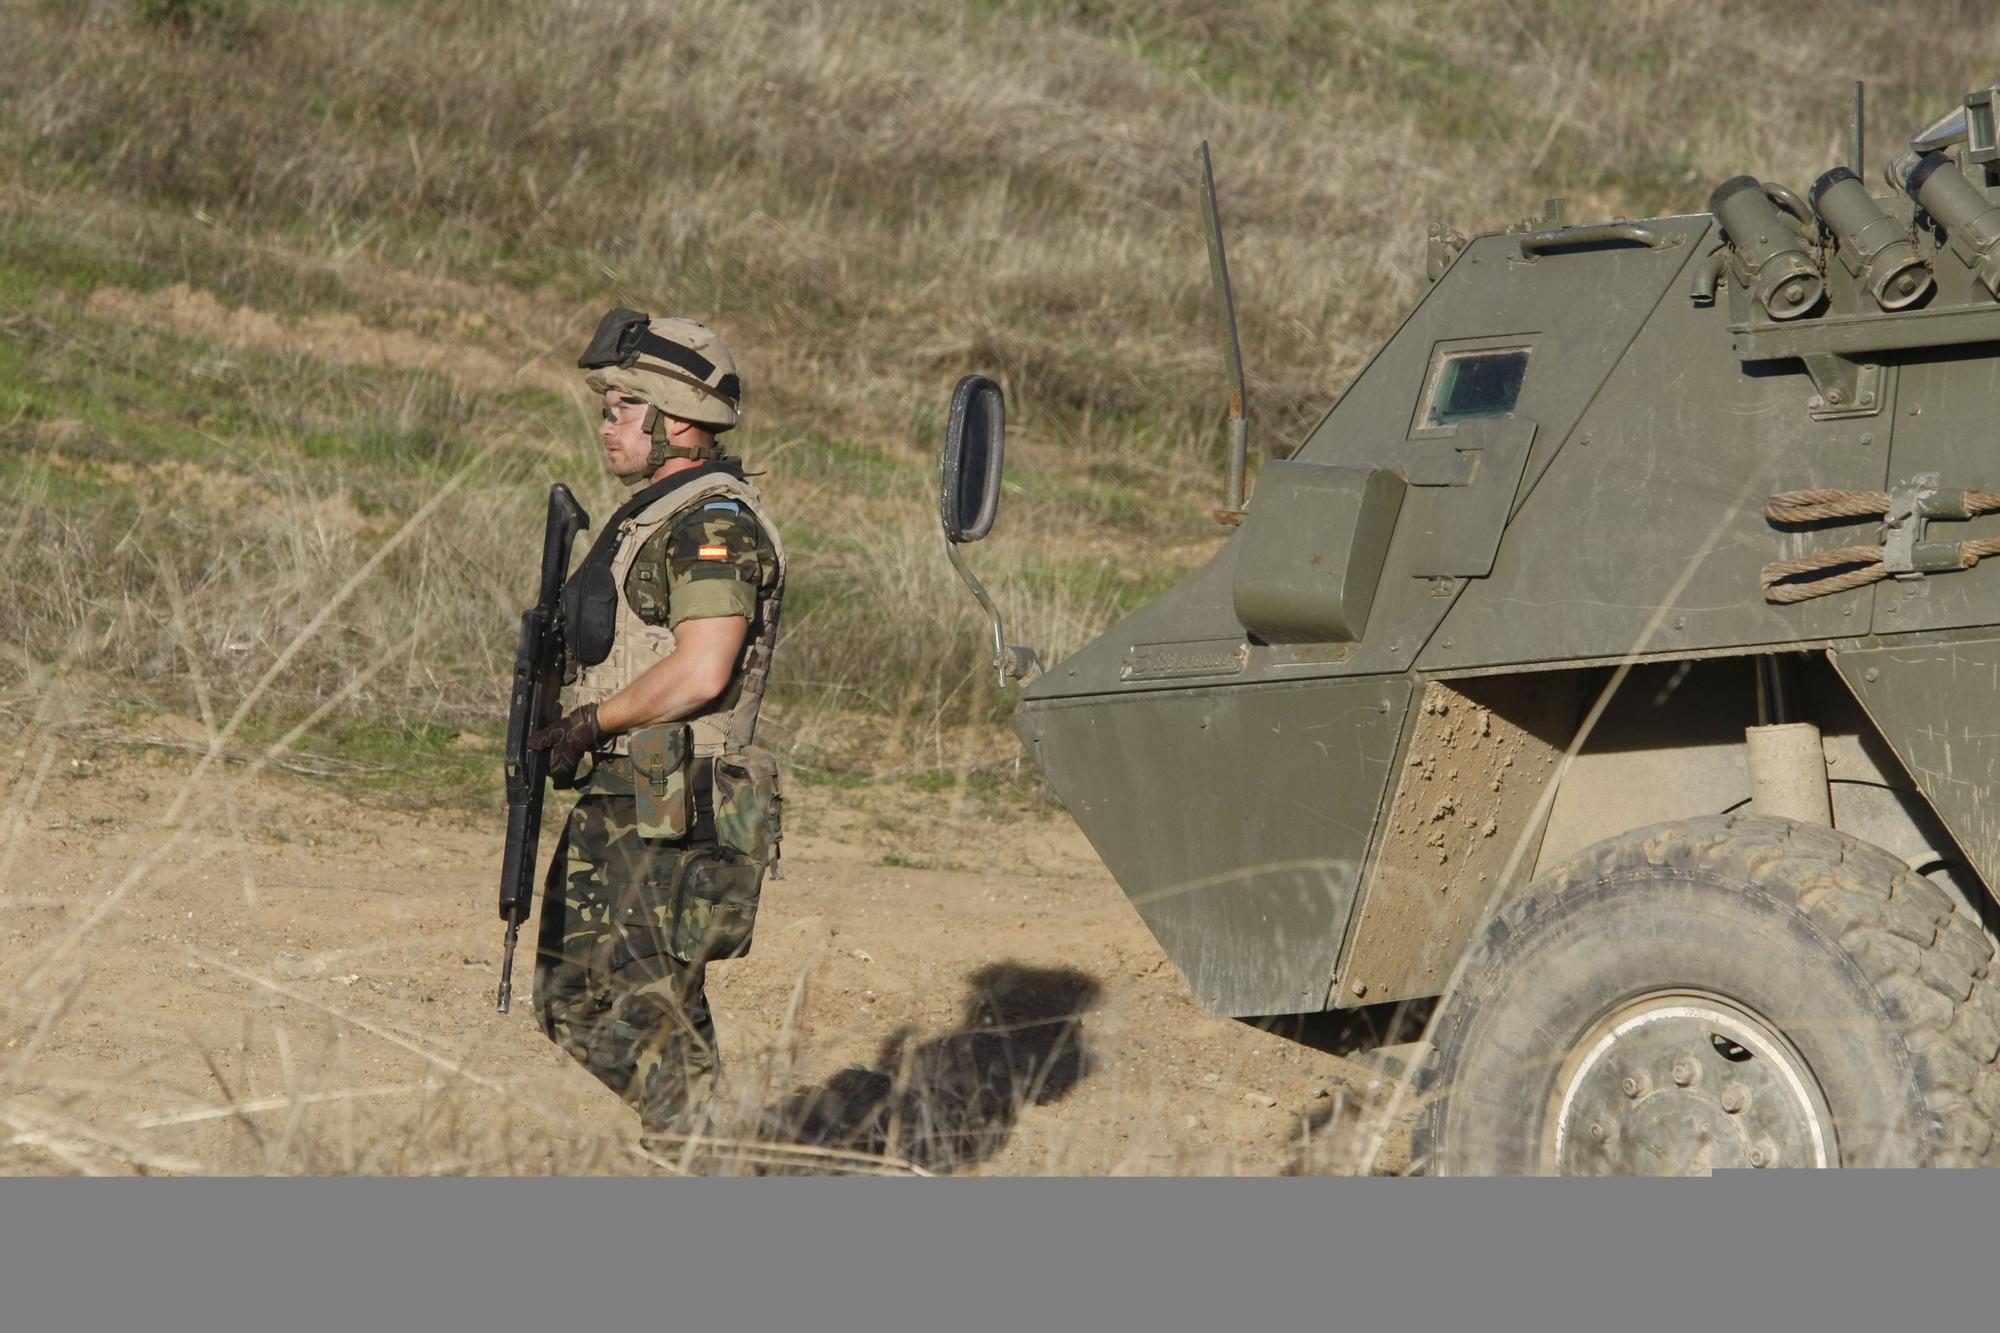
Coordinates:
[676,366]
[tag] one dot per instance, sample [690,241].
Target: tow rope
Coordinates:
[1899,546]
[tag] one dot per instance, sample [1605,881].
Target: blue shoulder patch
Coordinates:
[729,505]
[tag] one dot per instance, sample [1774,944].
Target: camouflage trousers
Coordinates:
[606,988]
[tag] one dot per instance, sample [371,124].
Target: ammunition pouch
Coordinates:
[722,887]
[590,612]
[695,904]
[662,758]
[717,911]
[698,901]
[748,805]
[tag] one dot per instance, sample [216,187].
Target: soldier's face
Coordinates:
[626,444]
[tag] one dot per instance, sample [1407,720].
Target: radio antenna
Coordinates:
[1857,141]
[1231,512]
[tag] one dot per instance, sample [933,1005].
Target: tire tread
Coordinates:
[1929,963]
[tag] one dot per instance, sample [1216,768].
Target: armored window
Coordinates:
[1475,386]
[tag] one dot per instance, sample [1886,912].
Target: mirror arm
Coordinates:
[985,600]
[1009,661]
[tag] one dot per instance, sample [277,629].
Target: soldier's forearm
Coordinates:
[663,694]
[696,672]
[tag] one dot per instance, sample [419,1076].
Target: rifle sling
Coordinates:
[605,547]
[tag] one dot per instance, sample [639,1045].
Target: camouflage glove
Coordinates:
[568,740]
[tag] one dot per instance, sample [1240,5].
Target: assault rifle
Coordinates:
[538,673]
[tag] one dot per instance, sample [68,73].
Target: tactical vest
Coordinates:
[638,645]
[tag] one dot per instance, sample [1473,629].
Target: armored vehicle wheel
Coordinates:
[1720,992]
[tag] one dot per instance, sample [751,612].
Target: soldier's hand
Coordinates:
[568,740]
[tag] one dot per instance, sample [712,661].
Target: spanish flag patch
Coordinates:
[712,553]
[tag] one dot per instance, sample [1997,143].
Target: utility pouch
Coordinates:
[662,798]
[717,910]
[590,612]
[748,805]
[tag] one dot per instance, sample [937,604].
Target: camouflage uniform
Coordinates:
[629,921]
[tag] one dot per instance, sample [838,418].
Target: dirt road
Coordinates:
[296,982]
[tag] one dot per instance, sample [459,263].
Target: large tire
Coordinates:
[1834,996]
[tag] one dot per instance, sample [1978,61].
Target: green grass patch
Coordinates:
[94,392]
[853,469]
[836,779]
[1116,506]
[113,246]
[1100,583]
[36,258]
[98,387]
[427,763]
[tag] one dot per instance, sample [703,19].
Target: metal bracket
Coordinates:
[1010,661]
[1442,248]
[1847,388]
[1913,506]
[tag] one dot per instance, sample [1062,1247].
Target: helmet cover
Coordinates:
[676,365]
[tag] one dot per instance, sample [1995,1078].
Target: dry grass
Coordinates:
[231,249]
[871,198]
[892,192]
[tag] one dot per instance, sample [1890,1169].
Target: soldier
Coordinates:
[670,620]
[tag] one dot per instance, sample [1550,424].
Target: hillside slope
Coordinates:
[274,277]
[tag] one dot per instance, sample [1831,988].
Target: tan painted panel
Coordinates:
[1669,746]
[1607,792]
[1479,755]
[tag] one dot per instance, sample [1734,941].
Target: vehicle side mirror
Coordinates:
[969,465]
[969,496]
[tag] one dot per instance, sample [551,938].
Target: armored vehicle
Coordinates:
[1614,662]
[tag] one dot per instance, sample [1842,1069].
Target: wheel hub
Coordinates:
[1683,1085]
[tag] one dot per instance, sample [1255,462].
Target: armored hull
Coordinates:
[1614,662]
[1558,467]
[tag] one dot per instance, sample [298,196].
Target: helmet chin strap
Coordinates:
[656,426]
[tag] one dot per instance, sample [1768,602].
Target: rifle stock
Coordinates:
[538,670]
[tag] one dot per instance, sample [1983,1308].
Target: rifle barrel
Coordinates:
[507,967]
[538,657]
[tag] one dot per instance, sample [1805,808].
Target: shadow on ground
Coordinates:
[1353,1033]
[952,1101]
[1358,1124]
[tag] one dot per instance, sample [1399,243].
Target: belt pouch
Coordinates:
[662,802]
[748,805]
